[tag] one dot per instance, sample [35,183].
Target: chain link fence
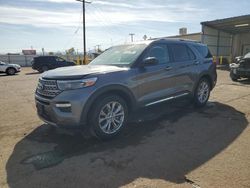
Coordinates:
[25,60]
[22,60]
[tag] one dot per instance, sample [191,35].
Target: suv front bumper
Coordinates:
[50,112]
[241,72]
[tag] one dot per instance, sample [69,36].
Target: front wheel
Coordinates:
[43,69]
[11,71]
[108,116]
[202,93]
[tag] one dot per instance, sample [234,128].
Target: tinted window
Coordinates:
[191,54]
[204,51]
[60,59]
[160,52]
[181,52]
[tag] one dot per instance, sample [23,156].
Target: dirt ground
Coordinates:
[170,145]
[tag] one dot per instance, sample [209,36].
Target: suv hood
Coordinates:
[80,71]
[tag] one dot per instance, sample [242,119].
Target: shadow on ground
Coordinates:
[169,142]
[32,73]
[6,75]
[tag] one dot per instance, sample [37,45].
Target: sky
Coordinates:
[56,25]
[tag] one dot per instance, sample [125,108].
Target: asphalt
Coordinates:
[168,145]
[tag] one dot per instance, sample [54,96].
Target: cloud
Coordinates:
[107,3]
[39,18]
[56,1]
[95,16]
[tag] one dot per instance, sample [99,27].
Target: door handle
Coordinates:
[196,62]
[168,68]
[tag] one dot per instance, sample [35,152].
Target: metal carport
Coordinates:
[228,37]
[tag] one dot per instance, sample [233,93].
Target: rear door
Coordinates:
[185,67]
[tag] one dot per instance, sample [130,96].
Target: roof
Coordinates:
[186,35]
[239,24]
[174,40]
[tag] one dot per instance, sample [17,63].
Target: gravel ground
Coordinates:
[173,145]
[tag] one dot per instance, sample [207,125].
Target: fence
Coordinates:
[22,60]
[25,60]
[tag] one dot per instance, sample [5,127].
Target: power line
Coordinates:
[75,32]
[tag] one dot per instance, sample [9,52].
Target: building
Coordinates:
[191,36]
[226,38]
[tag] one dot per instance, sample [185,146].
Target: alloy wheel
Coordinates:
[203,92]
[111,117]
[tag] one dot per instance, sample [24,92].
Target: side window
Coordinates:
[160,52]
[191,54]
[59,59]
[204,51]
[181,53]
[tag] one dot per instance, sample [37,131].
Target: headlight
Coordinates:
[76,84]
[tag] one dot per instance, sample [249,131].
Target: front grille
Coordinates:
[47,88]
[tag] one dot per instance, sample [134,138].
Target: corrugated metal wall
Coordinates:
[23,60]
[219,42]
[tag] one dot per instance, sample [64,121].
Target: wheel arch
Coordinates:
[209,78]
[119,90]
[10,68]
[203,75]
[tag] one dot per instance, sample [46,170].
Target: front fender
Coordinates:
[116,88]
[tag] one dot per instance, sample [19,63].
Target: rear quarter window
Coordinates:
[181,52]
[204,51]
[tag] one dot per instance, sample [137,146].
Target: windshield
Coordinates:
[123,55]
[247,55]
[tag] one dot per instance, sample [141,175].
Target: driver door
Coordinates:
[156,82]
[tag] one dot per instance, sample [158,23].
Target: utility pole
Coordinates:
[132,37]
[43,51]
[84,29]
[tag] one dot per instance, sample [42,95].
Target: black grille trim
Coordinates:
[47,88]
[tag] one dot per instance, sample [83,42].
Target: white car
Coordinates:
[9,69]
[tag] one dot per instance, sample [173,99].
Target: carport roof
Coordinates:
[239,24]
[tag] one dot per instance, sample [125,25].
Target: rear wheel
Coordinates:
[202,93]
[43,69]
[11,71]
[108,116]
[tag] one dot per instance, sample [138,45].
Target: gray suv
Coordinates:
[99,97]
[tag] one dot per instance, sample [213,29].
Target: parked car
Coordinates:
[240,69]
[100,96]
[45,63]
[9,69]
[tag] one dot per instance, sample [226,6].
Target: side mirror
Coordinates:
[150,61]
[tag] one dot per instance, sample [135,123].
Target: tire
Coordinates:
[43,69]
[104,124]
[233,76]
[202,93]
[11,71]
